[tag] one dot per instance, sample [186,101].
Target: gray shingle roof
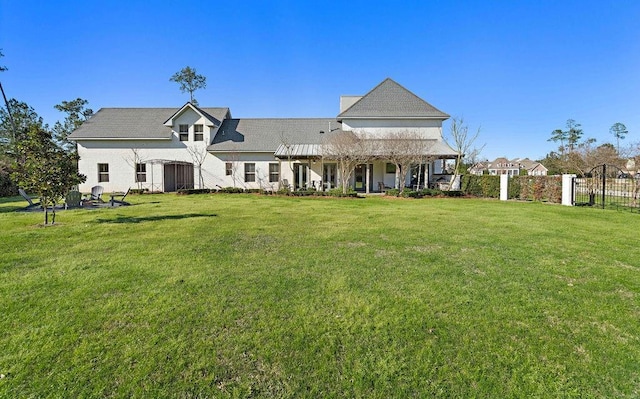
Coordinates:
[391,100]
[133,123]
[266,135]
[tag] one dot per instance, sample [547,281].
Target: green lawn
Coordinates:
[255,296]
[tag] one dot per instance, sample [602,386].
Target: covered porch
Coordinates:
[304,167]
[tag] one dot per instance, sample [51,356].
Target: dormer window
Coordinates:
[198,133]
[184,132]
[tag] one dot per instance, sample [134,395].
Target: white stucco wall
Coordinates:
[427,129]
[216,170]
[120,157]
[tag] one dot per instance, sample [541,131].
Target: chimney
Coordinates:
[347,101]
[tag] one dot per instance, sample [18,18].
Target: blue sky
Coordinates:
[517,69]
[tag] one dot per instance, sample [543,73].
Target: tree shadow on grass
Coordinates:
[12,204]
[140,219]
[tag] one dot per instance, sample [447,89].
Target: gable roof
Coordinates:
[391,100]
[213,121]
[266,135]
[134,123]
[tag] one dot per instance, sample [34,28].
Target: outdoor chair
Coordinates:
[382,188]
[96,194]
[285,184]
[28,198]
[73,199]
[121,201]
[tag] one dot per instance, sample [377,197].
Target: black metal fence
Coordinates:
[607,186]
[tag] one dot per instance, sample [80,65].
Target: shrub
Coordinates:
[302,193]
[553,189]
[481,186]
[337,192]
[139,191]
[231,190]
[394,192]
[430,192]
[411,194]
[452,193]
[514,187]
[188,191]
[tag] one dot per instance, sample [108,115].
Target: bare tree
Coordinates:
[587,155]
[198,155]
[234,160]
[288,146]
[133,160]
[462,142]
[403,149]
[348,149]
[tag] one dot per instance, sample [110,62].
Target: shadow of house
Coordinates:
[229,133]
[135,219]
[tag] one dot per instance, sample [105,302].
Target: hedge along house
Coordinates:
[165,149]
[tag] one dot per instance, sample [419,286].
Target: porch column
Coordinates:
[322,174]
[397,177]
[367,178]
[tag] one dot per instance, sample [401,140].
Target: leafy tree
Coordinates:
[77,114]
[189,81]
[619,131]
[573,133]
[16,118]
[554,163]
[571,136]
[559,135]
[45,169]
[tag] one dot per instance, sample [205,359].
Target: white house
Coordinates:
[167,149]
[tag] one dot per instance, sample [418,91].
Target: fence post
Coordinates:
[504,187]
[568,189]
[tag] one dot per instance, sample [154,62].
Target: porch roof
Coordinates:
[298,151]
[436,148]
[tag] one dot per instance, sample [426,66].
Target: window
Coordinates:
[141,172]
[228,169]
[103,172]
[198,133]
[184,132]
[249,172]
[391,168]
[274,172]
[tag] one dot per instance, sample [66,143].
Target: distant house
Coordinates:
[167,149]
[504,166]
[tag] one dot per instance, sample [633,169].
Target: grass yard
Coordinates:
[209,296]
